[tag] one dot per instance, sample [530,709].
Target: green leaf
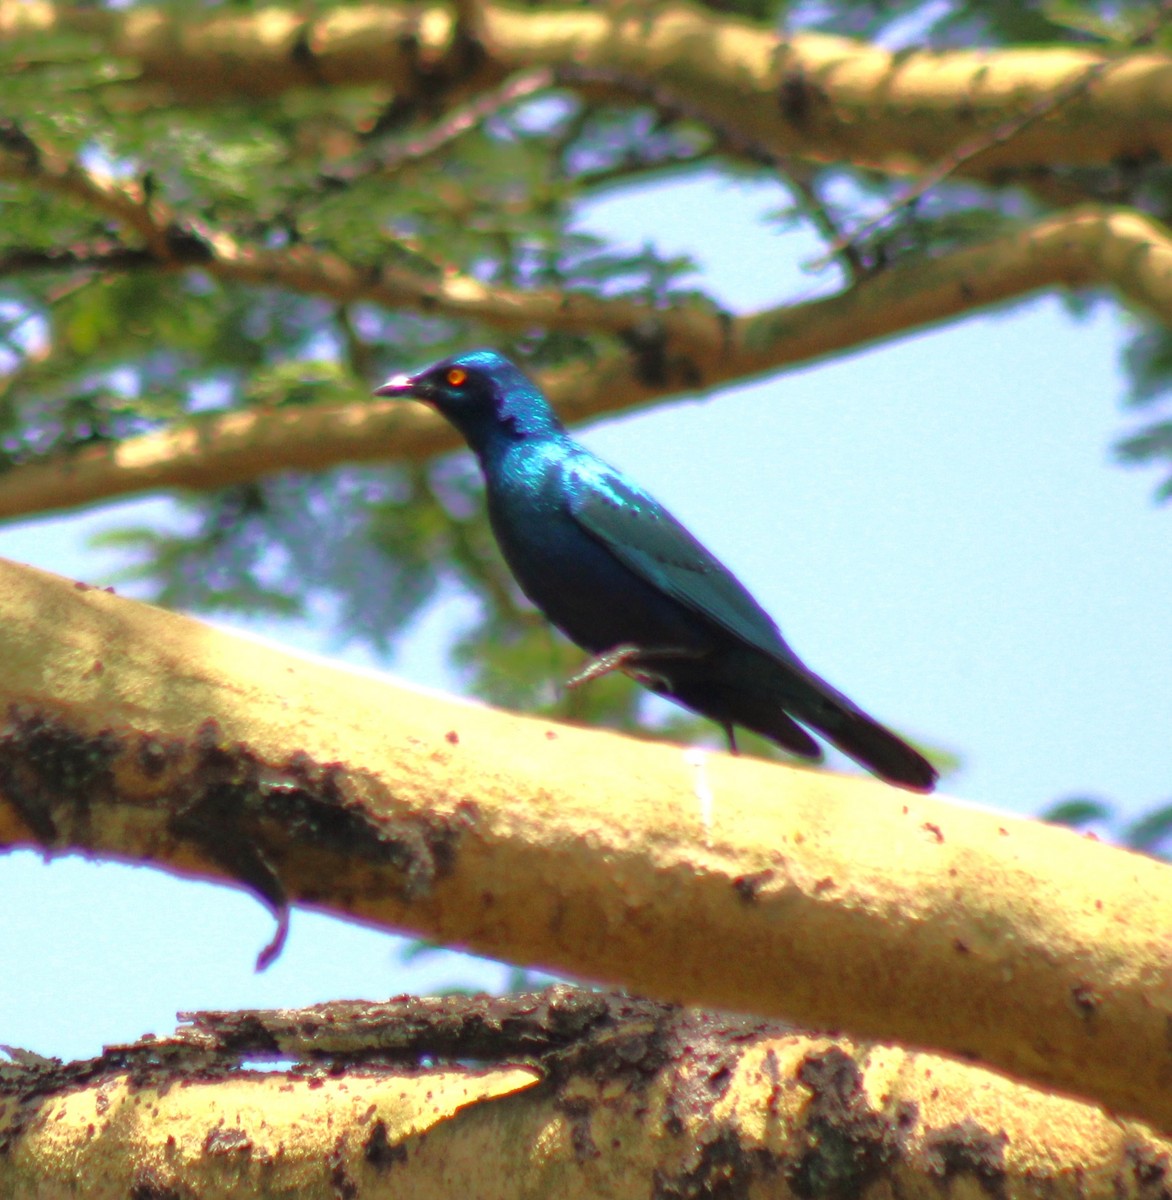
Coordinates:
[1149,831]
[1077,812]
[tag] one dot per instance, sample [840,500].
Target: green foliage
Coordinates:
[1149,361]
[1149,833]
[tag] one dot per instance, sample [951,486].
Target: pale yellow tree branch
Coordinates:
[814,95]
[691,349]
[837,902]
[671,1103]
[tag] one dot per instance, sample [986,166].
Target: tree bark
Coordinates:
[834,901]
[812,95]
[613,1097]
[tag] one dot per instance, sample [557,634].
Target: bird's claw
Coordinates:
[602,664]
[622,658]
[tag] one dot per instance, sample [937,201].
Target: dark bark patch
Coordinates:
[155,755]
[647,344]
[186,247]
[749,886]
[247,815]
[967,1149]
[578,1111]
[14,141]
[1149,1172]
[701,1051]
[719,1168]
[1087,1002]
[227,1141]
[344,1187]
[302,56]
[46,765]
[380,1151]
[248,1037]
[799,97]
[845,1144]
[147,1185]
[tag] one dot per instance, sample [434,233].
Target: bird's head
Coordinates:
[486,397]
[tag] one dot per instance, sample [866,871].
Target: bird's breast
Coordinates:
[580,585]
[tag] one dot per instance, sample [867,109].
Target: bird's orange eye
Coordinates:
[457,376]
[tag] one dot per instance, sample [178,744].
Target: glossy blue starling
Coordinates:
[618,575]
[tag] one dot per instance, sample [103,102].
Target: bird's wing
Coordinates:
[648,540]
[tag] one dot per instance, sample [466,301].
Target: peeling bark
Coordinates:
[628,1098]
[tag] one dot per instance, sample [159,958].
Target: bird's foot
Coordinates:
[602,664]
[623,658]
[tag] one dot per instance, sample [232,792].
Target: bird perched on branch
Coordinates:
[618,575]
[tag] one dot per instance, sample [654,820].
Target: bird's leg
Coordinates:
[621,658]
[602,664]
[730,733]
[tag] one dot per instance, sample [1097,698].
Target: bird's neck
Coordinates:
[505,441]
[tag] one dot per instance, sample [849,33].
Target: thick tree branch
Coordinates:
[622,1094]
[827,98]
[837,902]
[674,351]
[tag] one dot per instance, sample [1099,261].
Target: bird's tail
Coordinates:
[773,707]
[862,738]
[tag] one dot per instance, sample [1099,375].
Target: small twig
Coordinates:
[359,354]
[131,206]
[965,153]
[814,208]
[732,141]
[400,153]
[631,169]
[465,119]
[100,256]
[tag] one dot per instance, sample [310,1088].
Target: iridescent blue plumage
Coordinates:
[615,572]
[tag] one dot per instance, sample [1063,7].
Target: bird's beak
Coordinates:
[400,385]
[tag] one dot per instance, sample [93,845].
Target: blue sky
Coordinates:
[936,524]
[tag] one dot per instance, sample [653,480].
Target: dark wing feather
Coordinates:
[648,540]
